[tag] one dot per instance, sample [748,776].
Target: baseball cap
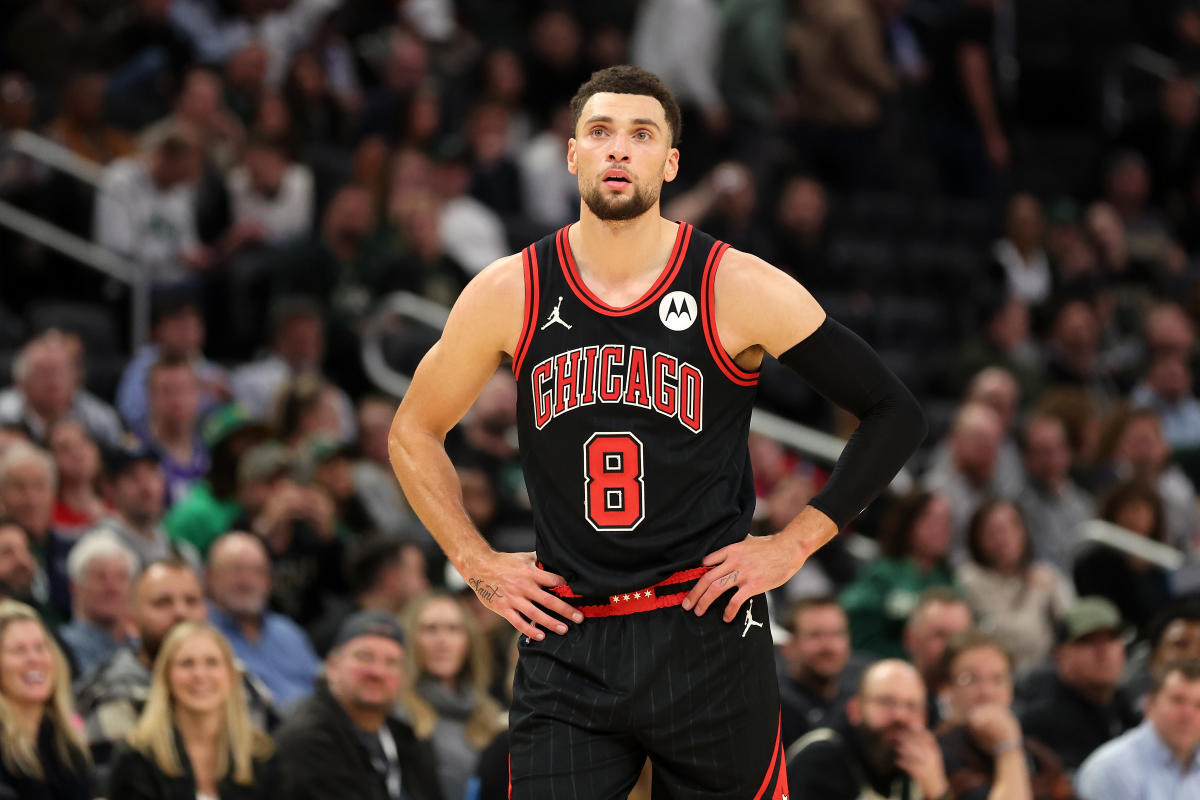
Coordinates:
[368,623]
[1088,615]
[225,421]
[129,450]
[263,462]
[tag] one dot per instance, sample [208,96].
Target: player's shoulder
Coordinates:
[740,271]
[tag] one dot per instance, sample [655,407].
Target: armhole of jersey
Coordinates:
[529,265]
[708,319]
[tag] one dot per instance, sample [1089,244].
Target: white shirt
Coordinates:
[287,215]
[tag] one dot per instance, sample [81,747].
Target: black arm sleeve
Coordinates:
[848,373]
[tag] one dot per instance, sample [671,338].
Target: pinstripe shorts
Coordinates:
[696,695]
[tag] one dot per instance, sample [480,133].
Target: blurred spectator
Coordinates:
[147,58]
[1138,588]
[1166,389]
[1080,708]
[146,207]
[1167,139]
[844,75]
[201,107]
[725,202]
[404,70]
[914,543]
[986,754]
[176,332]
[137,492]
[1139,451]
[1168,331]
[448,701]
[814,683]
[1017,601]
[1156,760]
[1022,252]
[320,117]
[1147,233]
[1074,352]
[555,63]
[299,526]
[78,504]
[1174,636]
[171,431]
[374,482]
[801,234]
[17,565]
[27,487]
[970,474]
[551,193]
[495,177]
[20,175]
[1005,341]
[328,468]
[307,408]
[472,233]
[81,127]
[270,195]
[101,569]
[48,387]
[271,646]
[939,614]
[297,348]
[343,742]
[44,755]
[165,594]
[885,750]
[195,736]
[384,573]
[212,505]
[1053,506]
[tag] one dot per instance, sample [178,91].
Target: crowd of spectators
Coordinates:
[211,583]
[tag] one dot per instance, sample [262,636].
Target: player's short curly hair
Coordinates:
[627,79]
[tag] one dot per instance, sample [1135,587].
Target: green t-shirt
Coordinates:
[880,600]
[200,519]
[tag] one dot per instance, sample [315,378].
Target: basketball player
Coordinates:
[636,343]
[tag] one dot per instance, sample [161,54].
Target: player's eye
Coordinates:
[642,135]
[598,131]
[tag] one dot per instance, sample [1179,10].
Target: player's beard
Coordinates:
[613,207]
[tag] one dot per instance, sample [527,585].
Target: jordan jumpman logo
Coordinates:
[555,317]
[750,621]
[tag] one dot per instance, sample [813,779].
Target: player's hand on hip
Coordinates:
[754,565]
[512,585]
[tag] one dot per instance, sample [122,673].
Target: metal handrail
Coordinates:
[1098,531]
[53,154]
[809,441]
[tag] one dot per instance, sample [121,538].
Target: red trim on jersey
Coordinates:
[623,603]
[529,263]
[510,776]
[775,756]
[709,321]
[567,259]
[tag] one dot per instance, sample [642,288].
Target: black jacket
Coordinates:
[61,781]
[136,776]
[322,758]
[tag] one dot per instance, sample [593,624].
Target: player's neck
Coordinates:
[616,252]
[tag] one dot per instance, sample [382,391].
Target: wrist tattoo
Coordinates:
[486,591]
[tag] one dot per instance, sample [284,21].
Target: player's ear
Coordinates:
[671,168]
[572,165]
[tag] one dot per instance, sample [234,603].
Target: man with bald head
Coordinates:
[883,750]
[273,647]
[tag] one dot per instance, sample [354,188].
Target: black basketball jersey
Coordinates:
[632,421]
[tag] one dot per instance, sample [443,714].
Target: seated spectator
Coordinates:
[101,569]
[940,613]
[971,473]
[986,754]
[171,430]
[1138,588]
[1166,389]
[165,594]
[1053,506]
[136,490]
[884,749]
[374,480]
[176,332]
[306,408]
[1017,601]
[1081,708]
[271,646]
[195,737]
[212,505]
[270,196]
[78,505]
[27,483]
[1174,635]
[297,347]
[201,105]
[384,573]
[146,207]
[44,755]
[81,127]
[48,389]
[18,568]
[342,743]
[1157,759]
[1021,252]
[1004,339]
[914,542]
[448,701]
[814,683]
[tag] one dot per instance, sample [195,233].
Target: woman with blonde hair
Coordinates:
[194,740]
[447,702]
[43,756]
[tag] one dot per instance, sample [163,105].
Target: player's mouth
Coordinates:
[616,179]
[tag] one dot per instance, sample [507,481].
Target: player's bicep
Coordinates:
[763,306]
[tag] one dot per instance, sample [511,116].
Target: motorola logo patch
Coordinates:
[678,311]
